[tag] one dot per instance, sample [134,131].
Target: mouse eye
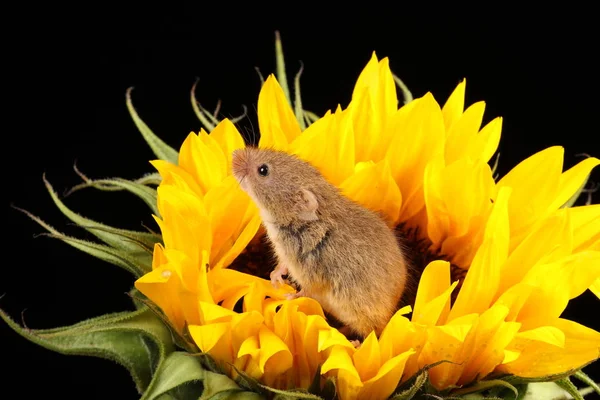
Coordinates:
[263,170]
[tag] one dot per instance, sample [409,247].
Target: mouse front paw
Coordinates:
[277,275]
[292,296]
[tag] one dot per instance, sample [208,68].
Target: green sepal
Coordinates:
[570,388]
[311,116]
[486,385]
[207,119]
[580,375]
[147,194]
[495,167]
[178,339]
[280,68]
[291,394]
[576,195]
[406,94]
[137,340]
[412,391]
[323,388]
[123,239]
[160,148]
[245,381]
[181,371]
[137,266]
[300,116]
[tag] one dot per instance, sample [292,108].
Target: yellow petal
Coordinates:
[535,182]
[485,344]
[595,288]
[382,385]
[397,336]
[555,284]
[374,100]
[488,139]
[453,108]
[456,213]
[214,313]
[204,160]
[463,132]
[339,363]
[228,207]
[442,344]
[243,326]
[275,357]
[549,241]
[174,175]
[228,139]
[276,120]
[162,287]
[214,339]
[187,222]
[485,269]
[571,180]
[586,229]
[514,299]
[328,144]
[433,295]
[367,358]
[374,188]
[408,155]
[542,354]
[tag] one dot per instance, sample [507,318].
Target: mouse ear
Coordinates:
[308,205]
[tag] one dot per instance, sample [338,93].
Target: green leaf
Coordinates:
[280,66]
[203,116]
[406,94]
[568,386]
[137,266]
[180,369]
[298,99]
[137,340]
[160,148]
[485,385]
[411,392]
[587,380]
[128,240]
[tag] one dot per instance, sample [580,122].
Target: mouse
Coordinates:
[338,252]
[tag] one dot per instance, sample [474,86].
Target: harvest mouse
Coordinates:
[340,253]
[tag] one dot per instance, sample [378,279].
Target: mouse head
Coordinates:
[281,185]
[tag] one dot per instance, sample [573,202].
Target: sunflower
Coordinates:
[499,260]
[494,262]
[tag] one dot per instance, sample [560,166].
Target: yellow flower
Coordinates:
[425,167]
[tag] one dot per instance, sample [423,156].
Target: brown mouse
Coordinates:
[340,253]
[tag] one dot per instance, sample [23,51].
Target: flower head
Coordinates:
[498,261]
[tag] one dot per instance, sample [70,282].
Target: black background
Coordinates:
[69,70]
